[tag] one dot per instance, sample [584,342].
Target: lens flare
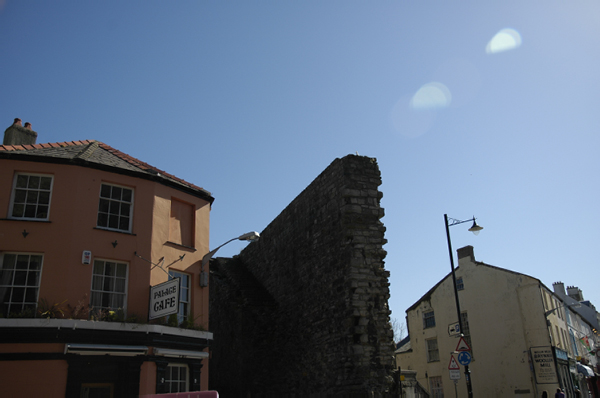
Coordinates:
[432,95]
[506,39]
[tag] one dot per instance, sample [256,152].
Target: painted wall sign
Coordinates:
[543,365]
[164,299]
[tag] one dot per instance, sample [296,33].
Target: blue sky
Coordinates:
[253,99]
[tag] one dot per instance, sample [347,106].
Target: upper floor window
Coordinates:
[31,196]
[109,286]
[433,353]
[19,282]
[115,207]
[460,285]
[428,320]
[184,295]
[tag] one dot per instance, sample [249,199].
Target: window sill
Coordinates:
[25,219]
[115,230]
[179,245]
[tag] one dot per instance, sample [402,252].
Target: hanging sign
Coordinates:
[164,299]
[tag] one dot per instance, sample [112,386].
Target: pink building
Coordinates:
[85,232]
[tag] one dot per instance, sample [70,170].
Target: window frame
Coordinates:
[4,287]
[108,214]
[95,310]
[436,387]
[27,189]
[432,350]
[186,304]
[460,283]
[428,321]
[170,383]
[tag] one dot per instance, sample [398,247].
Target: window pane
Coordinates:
[116,193]
[30,211]
[20,195]
[22,181]
[113,222]
[124,223]
[105,191]
[120,285]
[9,261]
[102,220]
[30,295]
[18,210]
[45,183]
[34,182]
[32,196]
[127,195]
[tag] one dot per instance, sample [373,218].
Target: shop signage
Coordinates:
[164,299]
[543,365]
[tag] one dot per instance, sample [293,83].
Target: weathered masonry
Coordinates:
[303,312]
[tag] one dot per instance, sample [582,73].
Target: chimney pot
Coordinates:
[16,134]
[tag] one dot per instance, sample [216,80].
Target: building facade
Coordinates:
[516,330]
[85,232]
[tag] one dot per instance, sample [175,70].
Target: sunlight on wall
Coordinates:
[506,39]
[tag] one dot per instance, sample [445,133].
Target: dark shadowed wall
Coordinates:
[303,312]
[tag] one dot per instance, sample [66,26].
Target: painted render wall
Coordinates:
[71,230]
[506,318]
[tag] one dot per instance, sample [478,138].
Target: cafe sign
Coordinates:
[164,299]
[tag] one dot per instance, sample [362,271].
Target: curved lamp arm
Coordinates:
[249,236]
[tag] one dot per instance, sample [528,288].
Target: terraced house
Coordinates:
[86,233]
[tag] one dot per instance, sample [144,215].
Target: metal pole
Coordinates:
[460,325]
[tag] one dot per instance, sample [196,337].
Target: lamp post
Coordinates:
[249,236]
[475,229]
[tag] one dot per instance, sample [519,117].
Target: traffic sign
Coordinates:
[464,358]
[454,374]
[454,329]
[462,345]
[453,364]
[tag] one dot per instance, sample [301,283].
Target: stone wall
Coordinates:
[303,312]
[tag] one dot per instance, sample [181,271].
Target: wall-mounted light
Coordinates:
[249,236]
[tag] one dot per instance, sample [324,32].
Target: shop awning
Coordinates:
[585,370]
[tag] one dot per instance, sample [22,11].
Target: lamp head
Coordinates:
[250,236]
[475,228]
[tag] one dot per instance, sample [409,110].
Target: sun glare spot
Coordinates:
[431,96]
[506,39]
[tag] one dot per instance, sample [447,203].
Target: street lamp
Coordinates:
[249,236]
[475,229]
[576,305]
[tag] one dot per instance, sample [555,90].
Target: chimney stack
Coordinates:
[19,135]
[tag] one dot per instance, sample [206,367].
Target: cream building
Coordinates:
[517,329]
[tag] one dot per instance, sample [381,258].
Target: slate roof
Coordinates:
[96,154]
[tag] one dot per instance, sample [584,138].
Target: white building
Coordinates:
[523,338]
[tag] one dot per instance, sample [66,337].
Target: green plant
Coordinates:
[50,311]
